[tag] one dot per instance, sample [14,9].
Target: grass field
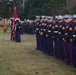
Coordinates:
[23,58]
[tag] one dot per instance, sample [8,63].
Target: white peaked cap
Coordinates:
[60,17]
[17,19]
[43,16]
[24,19]
[68,16]
[28,20]
[11,18]
[50,17]
[56,17]
[74,16]
[37,16]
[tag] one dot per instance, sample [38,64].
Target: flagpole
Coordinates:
[15,16]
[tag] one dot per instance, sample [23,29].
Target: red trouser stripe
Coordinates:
[70,53]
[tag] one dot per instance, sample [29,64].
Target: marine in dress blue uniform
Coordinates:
[31,29]
[41,33]
[38,26]
[49,32]
[18,31]
[44,34]
[74,42]
[56,41]
[60,37]
[68,38]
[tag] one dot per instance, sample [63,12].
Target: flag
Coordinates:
[15,16]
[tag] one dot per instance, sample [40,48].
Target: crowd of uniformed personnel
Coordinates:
[29,26]
[19,27]
[56,36]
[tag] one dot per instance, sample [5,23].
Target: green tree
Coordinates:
[43,7]
[7,7]
[74,10]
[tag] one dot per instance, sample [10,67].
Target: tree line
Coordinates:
[35,7]
[46,7]
[7,7]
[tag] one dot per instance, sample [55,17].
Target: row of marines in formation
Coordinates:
[56,36]
[21,27]
[29,26]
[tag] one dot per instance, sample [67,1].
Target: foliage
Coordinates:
[74,10]
[43,7]
[7,7]
[35,7]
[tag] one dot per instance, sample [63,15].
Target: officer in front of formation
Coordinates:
[18,30]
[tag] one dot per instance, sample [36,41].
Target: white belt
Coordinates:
[37,28]
[66,33]
[55,31]
[44,29]
[56,26]
[42,23]
[19,27]
[50,25]
[41,29]
[49,30]
[60,26]
[59,32]
[74,35]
